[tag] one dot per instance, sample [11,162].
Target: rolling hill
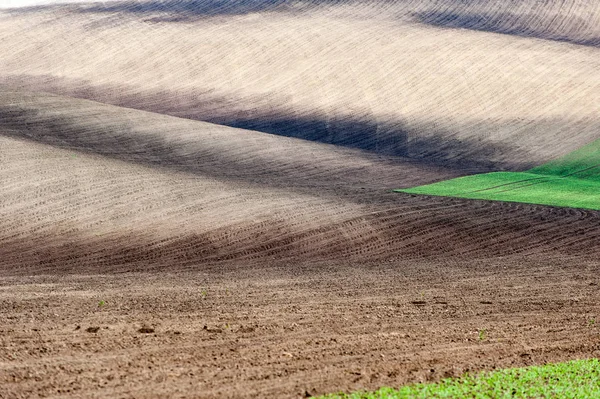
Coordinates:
[506,90]
[196,196]
[120,188]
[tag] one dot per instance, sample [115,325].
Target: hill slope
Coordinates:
[381,95]
[273,266]
[90,186]
[510,90]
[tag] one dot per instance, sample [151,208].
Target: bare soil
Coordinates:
[280,329]
[147,253]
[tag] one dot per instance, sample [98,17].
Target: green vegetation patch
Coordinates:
[579,379]
[571,181]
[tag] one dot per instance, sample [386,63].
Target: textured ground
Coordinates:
[221,173]
[288,330]
[515,86]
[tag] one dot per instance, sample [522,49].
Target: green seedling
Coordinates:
[204,293]
[482,335]
[575,379]
[592,323]
[101,304]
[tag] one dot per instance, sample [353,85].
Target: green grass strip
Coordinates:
[571,181]
[578,379]
[519,187]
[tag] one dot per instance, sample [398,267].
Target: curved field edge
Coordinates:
[574,379]
[521,187]
[571,181]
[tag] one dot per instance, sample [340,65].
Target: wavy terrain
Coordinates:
[125,188]
[370,75]
[196,196]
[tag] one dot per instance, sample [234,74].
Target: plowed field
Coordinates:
[196,197]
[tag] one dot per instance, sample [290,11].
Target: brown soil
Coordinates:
[126,276]
[282,329]
[146,255]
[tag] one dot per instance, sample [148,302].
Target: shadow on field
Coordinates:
[535,20]
[426,143]
[474,229]
[180,10]
[526,25]
[124,140]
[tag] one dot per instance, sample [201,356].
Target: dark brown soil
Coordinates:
[279,329]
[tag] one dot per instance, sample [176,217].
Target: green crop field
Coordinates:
[571,181]
[576,379]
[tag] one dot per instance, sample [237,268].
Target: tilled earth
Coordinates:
[284,329]
[145,253]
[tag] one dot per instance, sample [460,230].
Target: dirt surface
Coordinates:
[290,330]
[96,188]
[485,83]
[195,199]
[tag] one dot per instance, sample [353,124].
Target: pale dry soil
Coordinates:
[279,329]
[496,84]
